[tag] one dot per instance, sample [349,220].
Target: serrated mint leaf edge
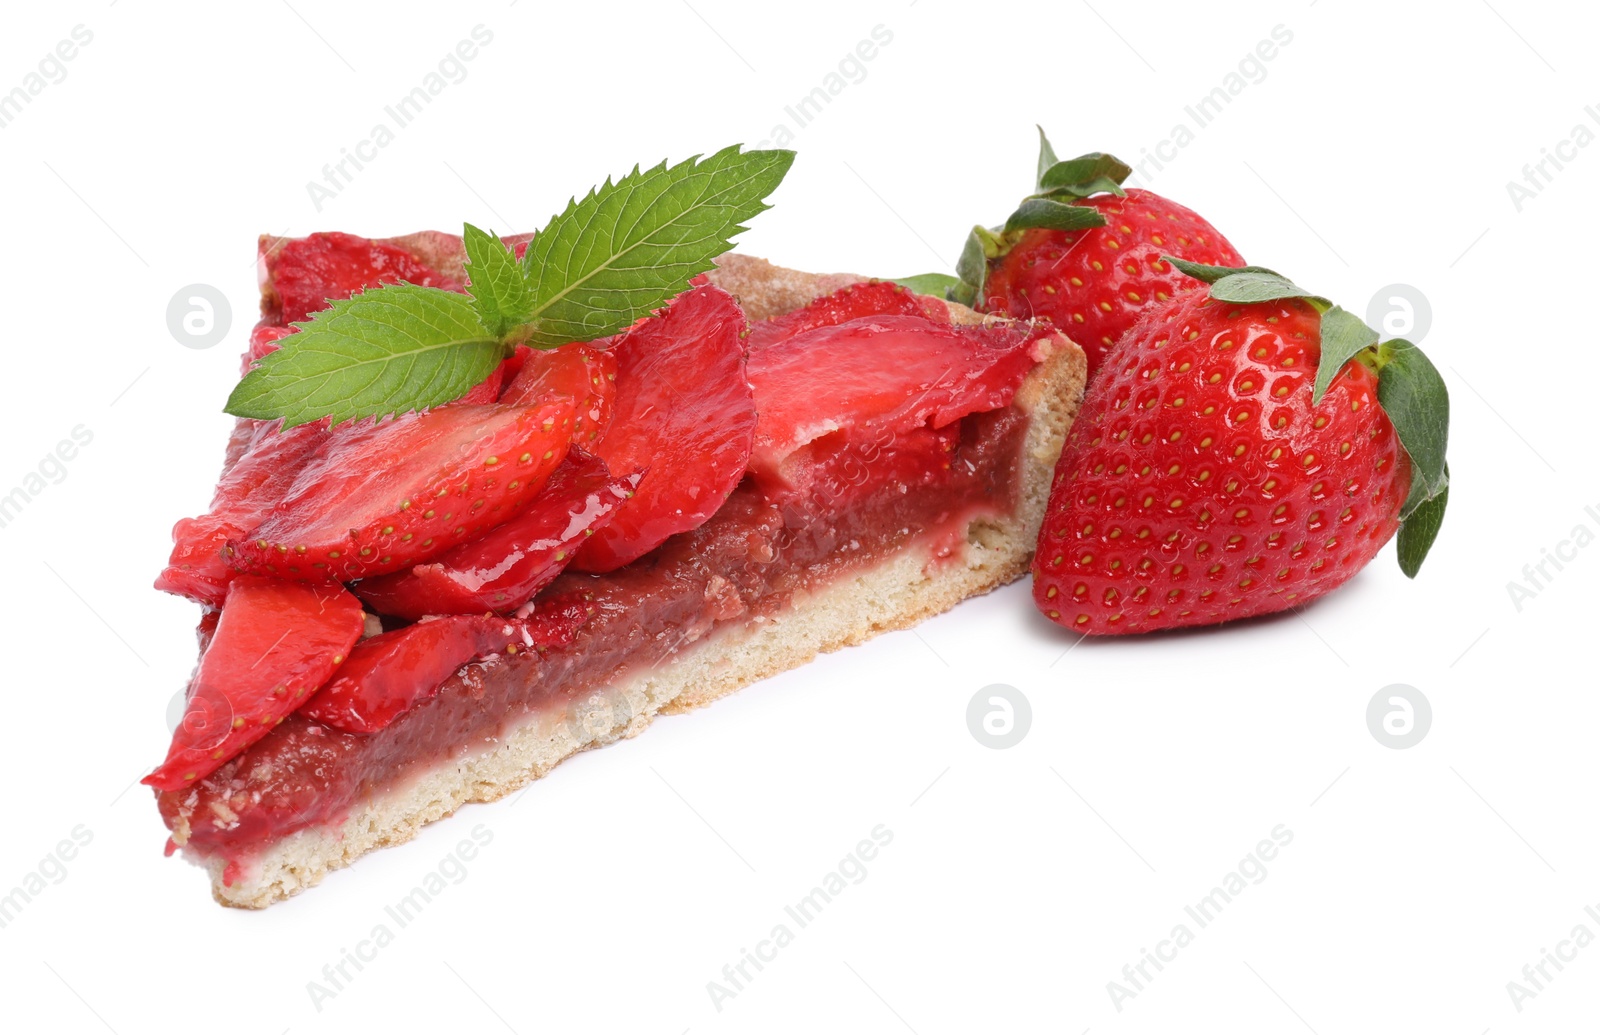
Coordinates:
[273,389]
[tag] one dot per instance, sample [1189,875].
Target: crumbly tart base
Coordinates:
[897,592]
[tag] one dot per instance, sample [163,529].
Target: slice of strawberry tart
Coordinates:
[405,615]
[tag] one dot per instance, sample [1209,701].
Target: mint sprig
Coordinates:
[603,263]
[496,282]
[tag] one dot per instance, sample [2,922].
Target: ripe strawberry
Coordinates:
[684,415]
[384,496]
[305,273]
[582,372]
[502,569]
[274,645]
[394,671]
[1207,477]
[1086,253]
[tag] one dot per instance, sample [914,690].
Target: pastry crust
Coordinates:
[899,591]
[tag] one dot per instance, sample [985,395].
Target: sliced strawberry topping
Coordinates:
[873,298]
[308,272]
[274,645]
[582,372]
[247,493]
[385,496]
[878,376]
[684,415]
[265,338]
[502,569]
[489,389]
[394,671]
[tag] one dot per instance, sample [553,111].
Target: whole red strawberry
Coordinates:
[1246,449]
[1086,253]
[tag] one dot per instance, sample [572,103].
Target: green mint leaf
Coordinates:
[1047,158]
[1343,336]
[1088,174]
[1418,531]
[939,285]
[391,349]
[1044,213]
[631,245]
[495,282]
[1414,396]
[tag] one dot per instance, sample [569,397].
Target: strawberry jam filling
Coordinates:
[749,560]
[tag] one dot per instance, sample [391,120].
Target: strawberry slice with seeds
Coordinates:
[502,569]
[874,376]
[384,496]
[582,372]
[275,643]
[306,273]
[684,415]
[873,298]
[249,489]
[393,672]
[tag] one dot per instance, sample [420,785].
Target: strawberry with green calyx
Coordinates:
[1083,252]
[1249,447]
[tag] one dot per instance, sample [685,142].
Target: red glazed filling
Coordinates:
[748,560]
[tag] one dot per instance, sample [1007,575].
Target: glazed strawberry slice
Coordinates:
[274,645]
[308,272]
[265,339]
[502,569]
[394,671]
[582,372]
[248,491]
[684,415]
[873,298]
[384,496]
[490,388]
[875,376]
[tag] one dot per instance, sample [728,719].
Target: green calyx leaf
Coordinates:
[629,246]
[1418,531]
[939,285]
[395,348]
[1344,337]
[1093,173]
[972,268]
[495,281]
[1052,215]
[1047,158]
[617,255]
[1211,274]
[1414,396]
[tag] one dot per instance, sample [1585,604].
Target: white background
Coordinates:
[1019,882]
